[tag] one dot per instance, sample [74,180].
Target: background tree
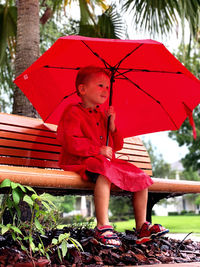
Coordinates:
[160,168]
[184,135]
[160,17]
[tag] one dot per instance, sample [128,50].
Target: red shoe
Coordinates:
[149,232]
[105,233]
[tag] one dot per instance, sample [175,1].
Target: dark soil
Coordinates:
[162,250]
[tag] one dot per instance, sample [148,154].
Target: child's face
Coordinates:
[96,90]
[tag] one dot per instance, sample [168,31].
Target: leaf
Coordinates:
[28,200]
[39,226]
[5,183]
[22,188]
[46,205]
[64,248]
[30,188]
[23,247]
[76,243]
[13,185]
[62,237]
[16,196]
[54,241]
[34,197]
[4,229]
[16,229]
[32,245]
[59,254]
[9,204]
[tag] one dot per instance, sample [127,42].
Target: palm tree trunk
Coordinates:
[27,50]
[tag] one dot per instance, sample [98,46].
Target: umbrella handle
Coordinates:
[110,104]
[107,135]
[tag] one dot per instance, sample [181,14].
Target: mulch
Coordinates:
[164,250]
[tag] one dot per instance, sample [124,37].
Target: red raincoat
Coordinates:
[82,132]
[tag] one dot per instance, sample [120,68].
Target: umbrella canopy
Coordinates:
[152,90]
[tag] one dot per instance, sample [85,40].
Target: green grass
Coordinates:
[176,224]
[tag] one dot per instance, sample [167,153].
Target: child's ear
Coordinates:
[81,89]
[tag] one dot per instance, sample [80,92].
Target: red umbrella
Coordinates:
[151,90]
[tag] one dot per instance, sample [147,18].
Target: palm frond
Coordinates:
[154,16]
[111,25]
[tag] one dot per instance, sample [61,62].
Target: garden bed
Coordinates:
[160,251]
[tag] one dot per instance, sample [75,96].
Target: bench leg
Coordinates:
[154,198]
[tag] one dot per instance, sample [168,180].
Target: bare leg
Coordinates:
[101,200]
[140,207]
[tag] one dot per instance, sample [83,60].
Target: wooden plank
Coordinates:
[132,158]
[16,161]
[63,179]
[141,165]
[25,137]
[28,153]
[135,140]
[26,122]
[133,152]
[24,130]
[134,146]
[28,162]
[29,145]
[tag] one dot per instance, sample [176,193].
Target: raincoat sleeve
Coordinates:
[71,137]
[117,140]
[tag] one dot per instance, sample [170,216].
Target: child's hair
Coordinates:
[86,72]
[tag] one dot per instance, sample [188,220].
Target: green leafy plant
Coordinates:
[42,220]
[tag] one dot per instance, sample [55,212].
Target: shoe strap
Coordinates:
[105,228]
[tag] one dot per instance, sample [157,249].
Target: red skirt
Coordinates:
[121,173]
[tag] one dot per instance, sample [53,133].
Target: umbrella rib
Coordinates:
[127,55]
[145,70]
[157,101]
[107,65]
[55,67]
[59,104]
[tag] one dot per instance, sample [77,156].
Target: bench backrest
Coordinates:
[29,142]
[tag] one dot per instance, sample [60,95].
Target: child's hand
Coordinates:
[111,112]
[106,151]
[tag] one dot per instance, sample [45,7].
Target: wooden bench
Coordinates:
[29,154]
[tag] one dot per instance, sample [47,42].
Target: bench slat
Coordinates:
[69,180]
[25,137]
[35,123]
[16,161]
[131,158]
[27,131]
[28,153]
[133,152]
[29,162]
[28,145]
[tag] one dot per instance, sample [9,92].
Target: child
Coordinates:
[82,134]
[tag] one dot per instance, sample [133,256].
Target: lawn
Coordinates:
[176,224]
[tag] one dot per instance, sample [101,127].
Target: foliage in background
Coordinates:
[121,208]
[160,168]
[190,56]
[163,16]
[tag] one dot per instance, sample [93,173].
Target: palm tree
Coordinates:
[161,16]
[27,49]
